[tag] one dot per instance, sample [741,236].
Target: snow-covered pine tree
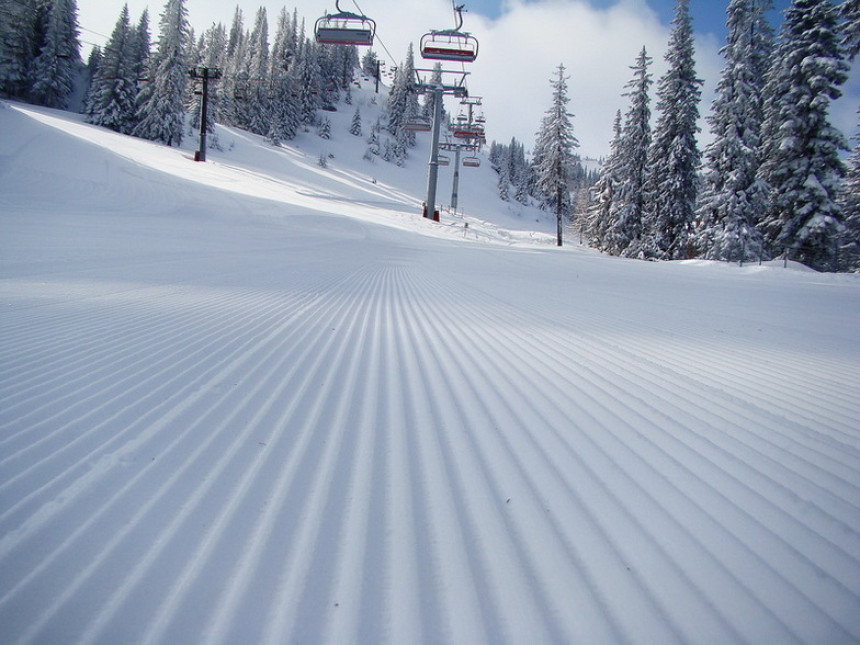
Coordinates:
[624,232]
[141,48]
[329,81]
[309,82]
[284,114]
[553,154]
[601,214]
[161,111]
[345,61]
[93,62]
[850,203]
[673,159]
[58,62]
[233,86]
[732,195]
[850,29]
[324,128]
[18,41]
[509,161]
[520,172]
[113,91]
[355,126]
[504,182]
[801,164]
[257,114]
[368,63]
[140,64]
[373,144]
[403,104]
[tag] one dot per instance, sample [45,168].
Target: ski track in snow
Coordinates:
[365,441]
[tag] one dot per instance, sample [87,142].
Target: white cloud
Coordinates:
[522,49]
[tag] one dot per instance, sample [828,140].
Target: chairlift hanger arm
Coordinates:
[458,11]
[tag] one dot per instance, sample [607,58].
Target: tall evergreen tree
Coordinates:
[18,44]
[520,172]
[234,82]
[850,203]
[355,126]
[500,160]
[140,63]
[162,111]
[553,155]
[368,63]
[114,88]
[57,64]
[93,62]
[604,205]
[624,234]
[258,118]
[402,105]
[674,156]
[309,82]
[284,113]
[801,164]
[732,195]
[850,11]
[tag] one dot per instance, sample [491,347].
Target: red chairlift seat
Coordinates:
[468,131]
[344,28]
[449,45]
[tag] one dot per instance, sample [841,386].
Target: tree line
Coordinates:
[772,181]
[271,87]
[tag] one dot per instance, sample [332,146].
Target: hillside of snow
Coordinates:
[260,401]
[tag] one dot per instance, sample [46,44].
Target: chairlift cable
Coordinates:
[378,37]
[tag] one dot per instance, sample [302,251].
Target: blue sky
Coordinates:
[708,15]
[522,43]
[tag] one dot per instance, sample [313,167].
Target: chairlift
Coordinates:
[344,28]
[442,160]
[471,162]
[468,131]
[450,44]
[418,124]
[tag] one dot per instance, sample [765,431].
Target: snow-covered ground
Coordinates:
[259,401]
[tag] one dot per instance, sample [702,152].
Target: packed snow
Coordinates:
[260,401]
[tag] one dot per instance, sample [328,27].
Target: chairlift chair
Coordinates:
[468,131]
[450,44]
[418,124]
[344,28]
[471,162]
[442,160]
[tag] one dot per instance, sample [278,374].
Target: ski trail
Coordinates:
[842,614]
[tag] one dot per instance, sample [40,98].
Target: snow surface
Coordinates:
[259,401]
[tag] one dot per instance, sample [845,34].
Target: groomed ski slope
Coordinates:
[257,401]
